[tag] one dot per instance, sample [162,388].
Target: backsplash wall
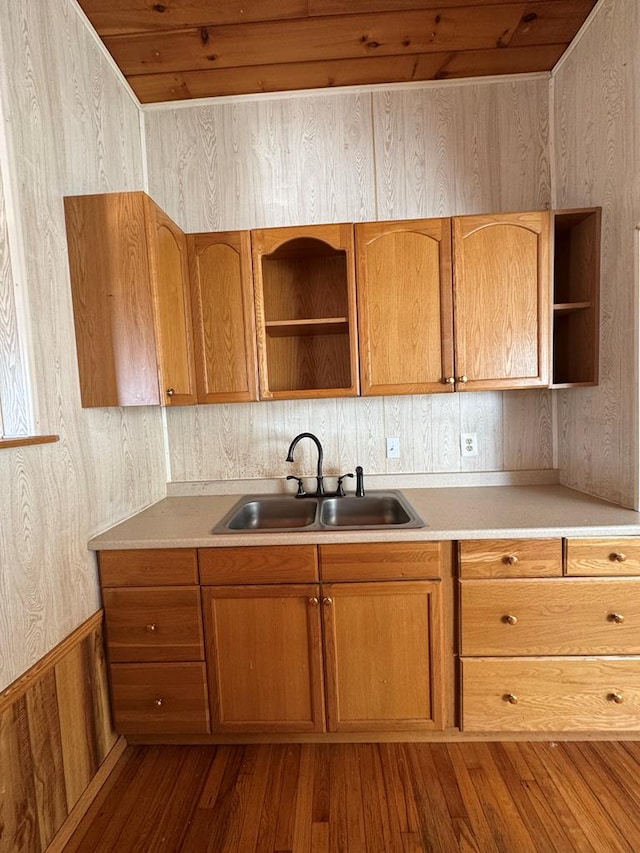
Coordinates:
[420,151]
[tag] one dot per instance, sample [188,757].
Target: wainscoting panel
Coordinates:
[55,733]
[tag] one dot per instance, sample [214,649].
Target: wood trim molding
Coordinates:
[25,681]
[24,440]
[83,805]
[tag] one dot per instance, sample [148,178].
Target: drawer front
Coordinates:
[381,561]
[160,698]
[563,617]
[147,624]
[268,564]
[620,556]
[550,694]
[510,558]
[149,567]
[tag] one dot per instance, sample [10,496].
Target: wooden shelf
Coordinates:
[305,309]
[321,326]
[570,307]
[576,286]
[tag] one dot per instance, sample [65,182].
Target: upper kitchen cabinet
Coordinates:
[132,312]
[405,306]
[305,311]
[223,317]
[501,300]
[576,312]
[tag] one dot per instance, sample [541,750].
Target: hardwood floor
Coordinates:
[369,798]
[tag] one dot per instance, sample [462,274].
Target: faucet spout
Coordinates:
[292,447]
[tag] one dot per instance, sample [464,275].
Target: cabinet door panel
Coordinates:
[223,312]
[501,300]
[265,658]
[170,277]
[405,306]
[383,656]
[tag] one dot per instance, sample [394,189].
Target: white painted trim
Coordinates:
[578,37]
[103,50]
[344,90]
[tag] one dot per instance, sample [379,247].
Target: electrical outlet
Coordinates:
[393,447]
[469,444]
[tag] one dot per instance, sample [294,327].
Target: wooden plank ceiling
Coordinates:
[180,49]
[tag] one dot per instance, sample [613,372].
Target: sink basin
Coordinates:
[272,512]
[369,511]
[278,513]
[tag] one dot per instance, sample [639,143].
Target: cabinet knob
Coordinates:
[158,703]
[510,559]
[509,619]
[618,618]
[151,627]
[462,379]
[617,557]
[618,698]
[510,698]
[449,380]
[313,600]
[171,392]
[327,601]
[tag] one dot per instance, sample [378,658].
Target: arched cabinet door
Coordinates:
[170,285]
[223,317]
[501,300]
[405,309]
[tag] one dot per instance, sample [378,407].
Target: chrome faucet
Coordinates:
[320,479]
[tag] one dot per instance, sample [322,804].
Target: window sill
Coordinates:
[23,440]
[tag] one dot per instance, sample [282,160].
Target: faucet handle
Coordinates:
[301,490]
[340,488]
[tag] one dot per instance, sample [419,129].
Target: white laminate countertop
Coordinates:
[478,512]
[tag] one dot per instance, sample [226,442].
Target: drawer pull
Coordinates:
[510,698]
[617,557]
[510,560]
[158,703]
[313,600]
[618,618]
[509,619]
[327,601]
[618,698]
[151,627]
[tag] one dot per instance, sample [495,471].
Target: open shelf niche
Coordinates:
[305,309]
[576,306]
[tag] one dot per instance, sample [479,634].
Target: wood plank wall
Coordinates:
[596,127]
[70,126]
[420,151]
[55,732]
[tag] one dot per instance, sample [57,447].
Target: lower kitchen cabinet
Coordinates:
[265,658]
[373,650]
[383,656]
[550,654]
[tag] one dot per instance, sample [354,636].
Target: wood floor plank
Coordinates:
[550,803]
[367,798]
[479,825]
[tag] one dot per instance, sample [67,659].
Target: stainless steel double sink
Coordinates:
[278,513]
